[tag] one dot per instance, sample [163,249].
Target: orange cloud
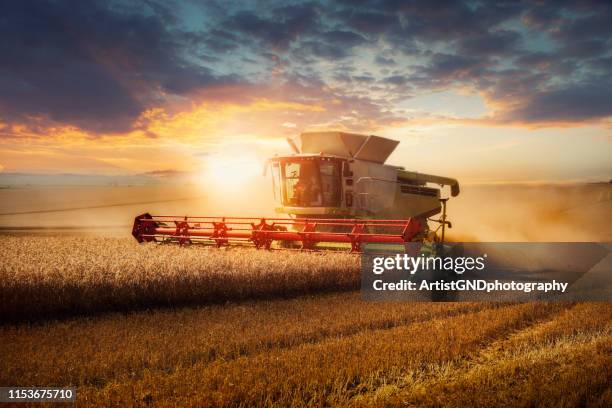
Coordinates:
[161,140]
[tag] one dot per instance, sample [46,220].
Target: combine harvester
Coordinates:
[338,193]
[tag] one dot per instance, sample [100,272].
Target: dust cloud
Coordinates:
[501,213]
[532,213]
[110,210]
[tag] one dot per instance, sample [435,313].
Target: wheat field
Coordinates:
[150,325]
[46,276]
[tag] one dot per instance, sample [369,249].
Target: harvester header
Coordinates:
[262,233]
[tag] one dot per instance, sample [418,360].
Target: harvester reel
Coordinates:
[261,240]
[261,233]
[220,234]
[182,232]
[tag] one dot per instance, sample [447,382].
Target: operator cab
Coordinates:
[314,181]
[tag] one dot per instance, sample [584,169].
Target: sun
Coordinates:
[231,171]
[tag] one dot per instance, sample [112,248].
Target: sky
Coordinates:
[482,91]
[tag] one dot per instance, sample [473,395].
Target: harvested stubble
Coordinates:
[562,362]
[333,371]
[54,276]
[117,347]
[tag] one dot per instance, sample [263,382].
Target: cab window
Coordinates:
[302,184]
[330,183]
[311,183]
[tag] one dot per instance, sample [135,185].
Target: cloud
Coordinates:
[381,60]
[333,45]
[370,21]
[502,42]
[572,103]
[278,29]
[447,68]
[395,80]
[101,67]
[221,41]
[92,66]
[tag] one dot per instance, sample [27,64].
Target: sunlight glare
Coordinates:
[231,171]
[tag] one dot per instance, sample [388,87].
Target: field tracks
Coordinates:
[572,347]
[336,369]
[205,335]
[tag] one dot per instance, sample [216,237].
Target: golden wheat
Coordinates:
[52,276]
[312,350]
[328,372]
[566,361]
